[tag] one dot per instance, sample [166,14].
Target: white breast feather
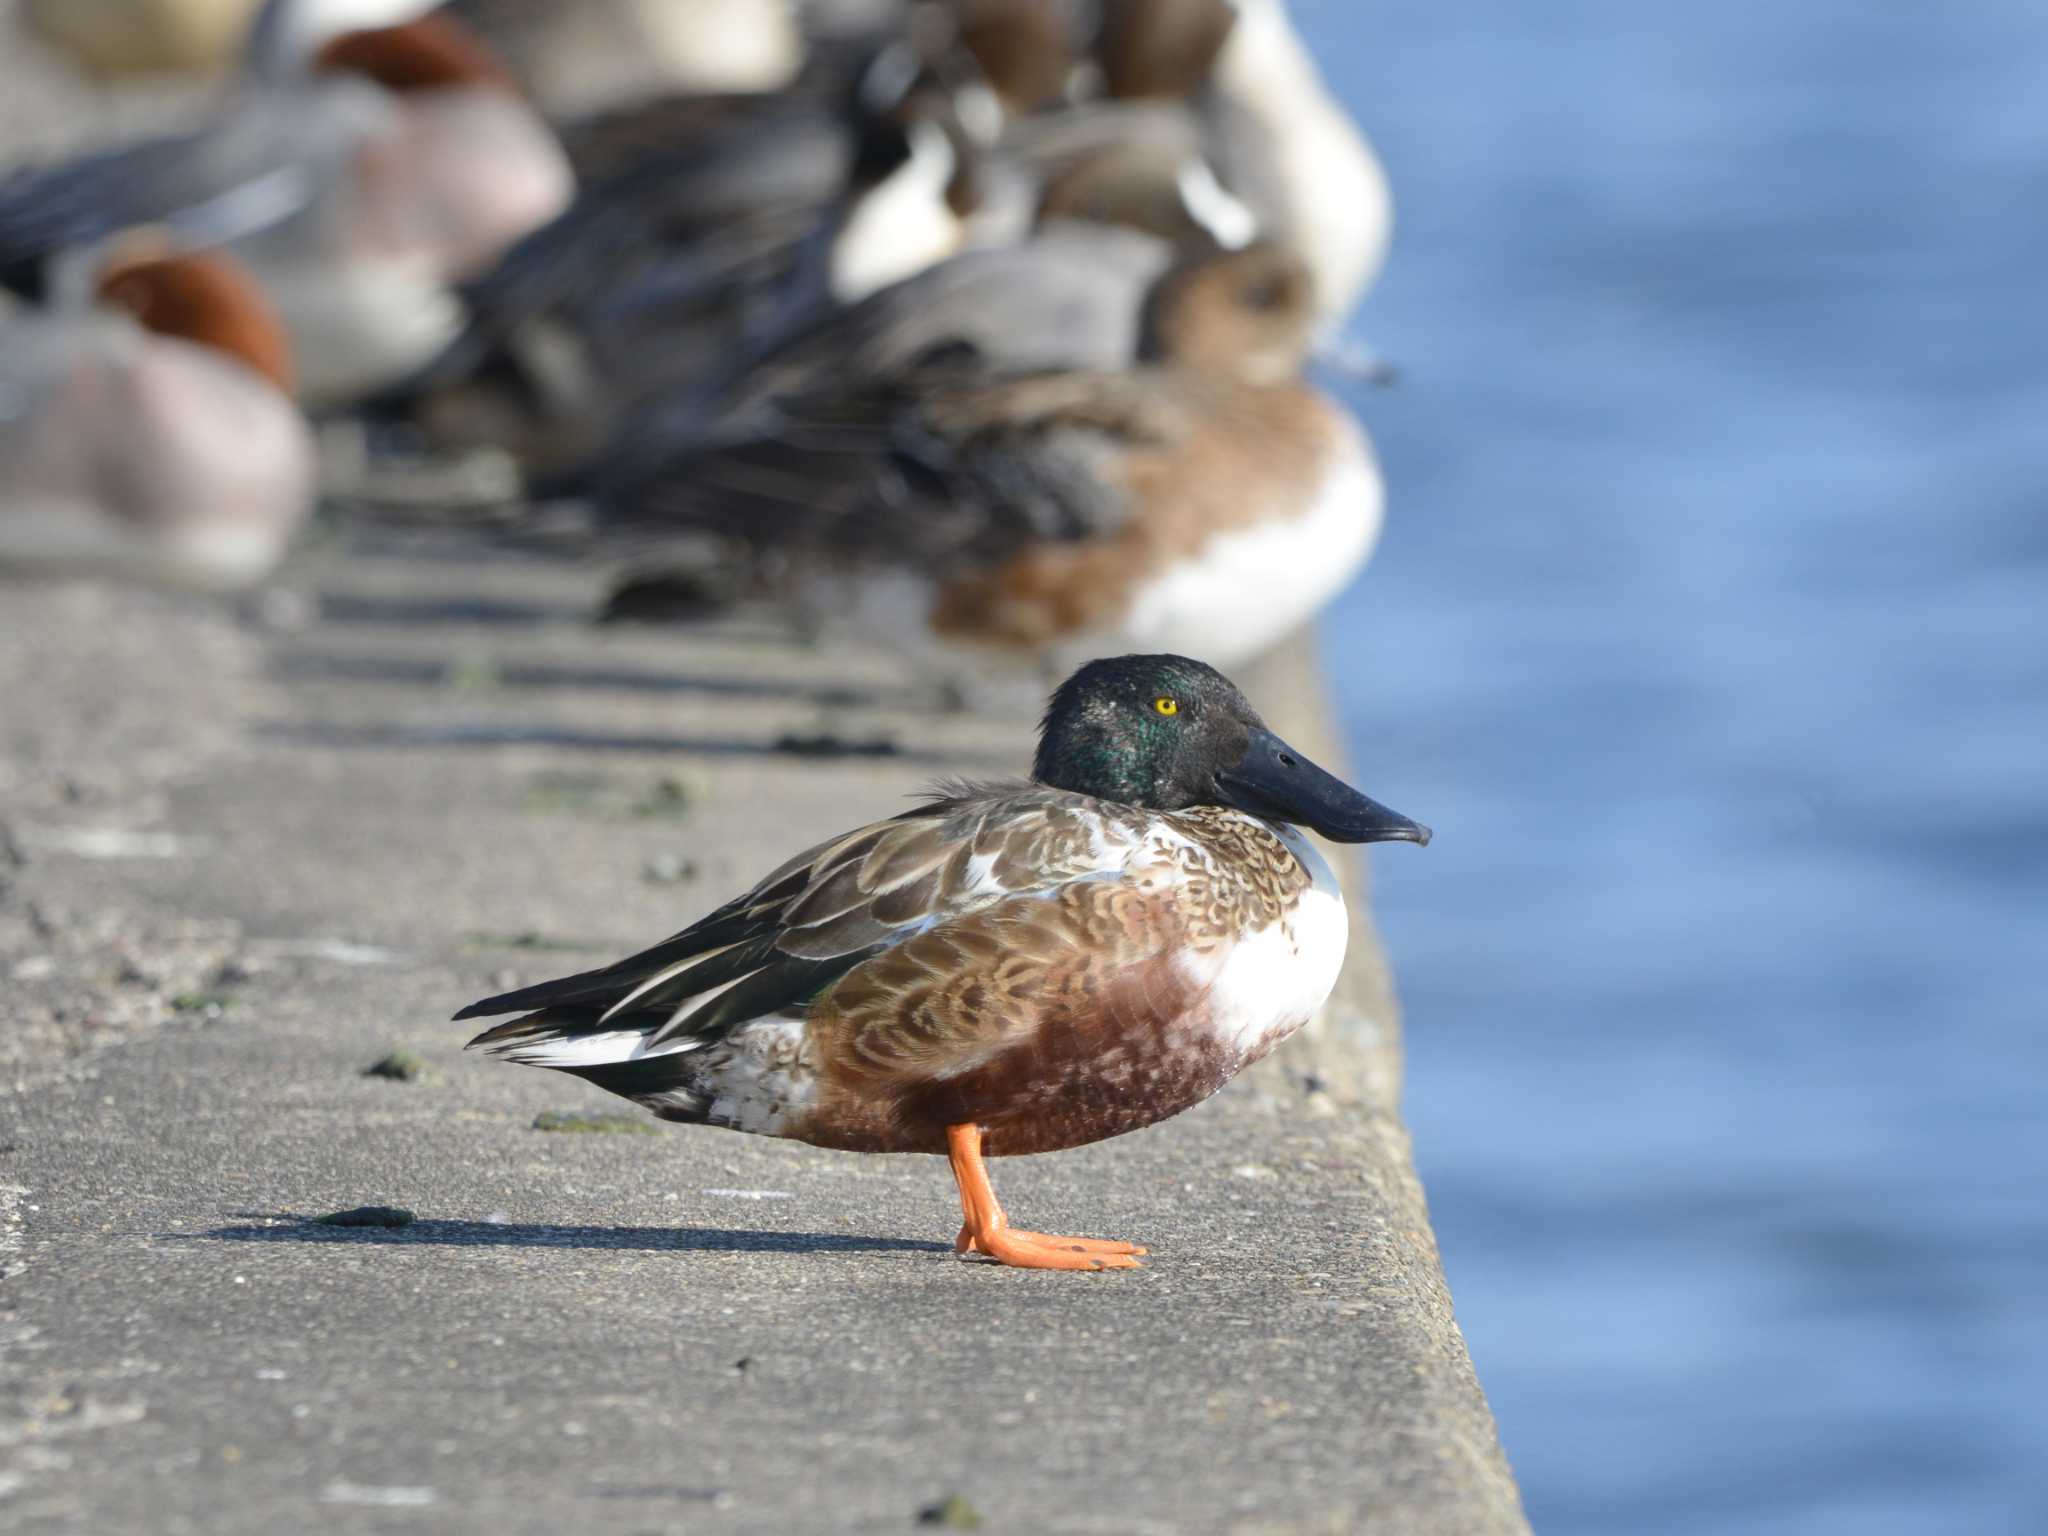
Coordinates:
[1268,983]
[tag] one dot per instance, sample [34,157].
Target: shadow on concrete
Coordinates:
[292,1228]
[508,733]
[433,611]
[467,611]
[437,672]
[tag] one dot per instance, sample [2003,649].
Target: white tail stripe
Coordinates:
[584,1050]
[657,1042]
[669,973]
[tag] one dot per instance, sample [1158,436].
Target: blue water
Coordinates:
[1710,631]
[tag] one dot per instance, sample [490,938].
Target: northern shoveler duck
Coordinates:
[1010,968]
[149,433]
[396,160]
[1207,500]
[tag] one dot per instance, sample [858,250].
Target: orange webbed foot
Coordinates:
[987,1230]
[1040,1250]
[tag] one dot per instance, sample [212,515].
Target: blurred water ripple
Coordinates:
[1711,634]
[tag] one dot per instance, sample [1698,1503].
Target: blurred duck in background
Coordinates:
[390,161]
[1073,296]
[975,324]
[113,38]
[574,57]
[708,227]
[147,429]
[701,272]
[1205,499]
[1229,84]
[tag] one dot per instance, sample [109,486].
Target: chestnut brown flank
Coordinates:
[1049,1021]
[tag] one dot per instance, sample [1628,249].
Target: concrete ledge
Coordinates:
[240,865]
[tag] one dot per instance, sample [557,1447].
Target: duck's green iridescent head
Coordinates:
[1167,733]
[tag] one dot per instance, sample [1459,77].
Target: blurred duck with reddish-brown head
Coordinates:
[147,429]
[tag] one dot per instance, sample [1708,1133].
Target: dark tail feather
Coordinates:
[660,1083]
[544,1025]
[599,987]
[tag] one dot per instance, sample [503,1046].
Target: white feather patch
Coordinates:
[1244,590]
[1230,222]
[669,973]
[1269,983]
[588,1050]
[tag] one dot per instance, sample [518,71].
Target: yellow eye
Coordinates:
[1166,705]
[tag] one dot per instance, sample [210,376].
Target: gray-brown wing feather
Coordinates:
[820,915]
[947,465]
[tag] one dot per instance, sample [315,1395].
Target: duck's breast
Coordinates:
[1265,982]
[1245,588]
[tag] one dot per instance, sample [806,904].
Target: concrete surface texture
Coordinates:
[241,860]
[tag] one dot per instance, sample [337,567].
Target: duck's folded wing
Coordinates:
[44,209]
[1070,298]
[940,1022]
[779,946]
[944,465]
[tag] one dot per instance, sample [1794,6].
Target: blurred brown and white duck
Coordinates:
[1206,500]
[369,174]
[147,428]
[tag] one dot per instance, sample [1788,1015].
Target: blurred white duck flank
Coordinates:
[903,225]
[474,168]
[456,170]
[1205,498]
[151,436]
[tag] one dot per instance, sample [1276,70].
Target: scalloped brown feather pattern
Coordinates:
[1050,1020]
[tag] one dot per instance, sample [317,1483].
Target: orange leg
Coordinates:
[987,1230]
